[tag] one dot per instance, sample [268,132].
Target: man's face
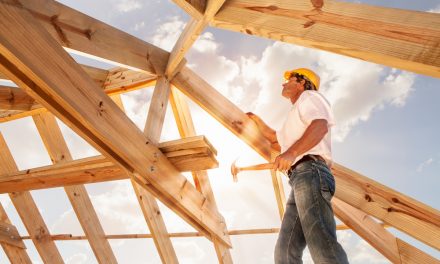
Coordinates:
[291,88]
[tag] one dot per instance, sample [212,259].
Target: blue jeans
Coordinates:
[309,219]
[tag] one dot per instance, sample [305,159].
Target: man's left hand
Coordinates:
[284,161]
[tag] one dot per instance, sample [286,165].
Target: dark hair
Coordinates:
[308,85]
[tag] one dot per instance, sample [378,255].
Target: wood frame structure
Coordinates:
[87,99]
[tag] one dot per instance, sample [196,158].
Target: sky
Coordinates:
[387,128]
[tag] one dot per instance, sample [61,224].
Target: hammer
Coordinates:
[235,170]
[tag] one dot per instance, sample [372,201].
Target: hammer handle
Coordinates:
[264,166]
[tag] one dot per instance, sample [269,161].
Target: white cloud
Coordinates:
[128,5]
[435,9]
[424,164]
[78,258]
[167,34]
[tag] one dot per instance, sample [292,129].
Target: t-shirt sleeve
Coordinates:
[315,106]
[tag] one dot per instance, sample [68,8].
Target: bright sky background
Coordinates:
[387,129]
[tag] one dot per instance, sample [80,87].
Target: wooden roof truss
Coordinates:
[87,99]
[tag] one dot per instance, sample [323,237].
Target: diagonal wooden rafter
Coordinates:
[29,213]
[390,206]
[15,254]
[192,31]
[186,128]
[397,38]
[196,8]
[395,249]
[48,73]
[149,206]
[82,205]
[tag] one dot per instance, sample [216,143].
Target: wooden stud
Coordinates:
[278,188]
[82,205]
[28,212]
[397,38]
[149,206]
[40,68]
[15,254]
[182,113]
[9,235]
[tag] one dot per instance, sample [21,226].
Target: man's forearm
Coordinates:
[311,137]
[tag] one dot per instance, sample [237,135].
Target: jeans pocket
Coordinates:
[327,187]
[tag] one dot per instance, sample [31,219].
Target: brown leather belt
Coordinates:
[308,157]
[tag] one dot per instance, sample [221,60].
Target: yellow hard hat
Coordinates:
[309,74]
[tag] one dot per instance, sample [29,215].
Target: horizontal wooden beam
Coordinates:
[53,78]
[178,235]
[114,81]
[194,153]
[386,204]
[397,38]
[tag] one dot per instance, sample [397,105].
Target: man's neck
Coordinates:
[295,98]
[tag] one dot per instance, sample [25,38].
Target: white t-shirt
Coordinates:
[311,105]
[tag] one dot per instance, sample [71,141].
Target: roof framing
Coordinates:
[77,95]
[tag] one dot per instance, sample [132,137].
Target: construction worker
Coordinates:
[305,144]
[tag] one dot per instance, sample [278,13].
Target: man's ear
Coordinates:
[303,82]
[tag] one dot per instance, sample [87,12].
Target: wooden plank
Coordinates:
[9,235]
[391,207]
[14,254]
[82,205]
[100,169]
[278,188]
[195,8]
[181,111]
[372,232]
[410,254]
[15,99]
[394,249]
[85,34]
[41,66]
[190,34]
[114,81]
[28,212]
[397,38]
[149,206]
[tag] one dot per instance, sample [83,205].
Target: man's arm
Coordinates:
[314,133]
[267,131]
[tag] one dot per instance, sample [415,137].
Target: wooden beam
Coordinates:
[189,153]
[41,66]
[15,254]
[397,38]
[115,81]
[394,249]
[82,205]
[238,232]
[9,235]
[391,207]
[149,206]
[181,111]
[192,31]
[79,32]
[15,99]
[29,213]
[195,8]
[278,188]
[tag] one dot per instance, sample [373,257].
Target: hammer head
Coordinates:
[234,171]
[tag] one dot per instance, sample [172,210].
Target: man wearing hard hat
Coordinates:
[305,144]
